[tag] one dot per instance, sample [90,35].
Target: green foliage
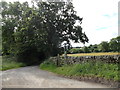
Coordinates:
[79,50]
[0,41]
[86,49]
[93,48]
[75,50]
[32,32]
[9,63]
[115,44]
[104,46]
[47,65]
[112,46]
[97,69]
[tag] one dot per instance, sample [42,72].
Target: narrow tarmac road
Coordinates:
[33,77]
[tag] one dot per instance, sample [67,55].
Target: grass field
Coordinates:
[9,63]
[94,54]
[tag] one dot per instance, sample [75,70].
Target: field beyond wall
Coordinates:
[94,54]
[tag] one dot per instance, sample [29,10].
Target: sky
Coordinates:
[100,19]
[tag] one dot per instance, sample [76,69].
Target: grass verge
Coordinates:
[91,69]
[9,63]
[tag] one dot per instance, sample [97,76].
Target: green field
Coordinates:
[94,54]
[9,63]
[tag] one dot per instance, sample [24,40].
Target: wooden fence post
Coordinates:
[58,60]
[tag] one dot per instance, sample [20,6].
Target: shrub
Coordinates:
[48,65]
[9,62]
[97,69]
[75,50]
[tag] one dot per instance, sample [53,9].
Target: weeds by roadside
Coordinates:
[9,63]
[98,69]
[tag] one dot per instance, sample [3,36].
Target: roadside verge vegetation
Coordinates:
[90,69]
[9,63]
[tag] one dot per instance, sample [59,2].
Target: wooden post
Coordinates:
[65,57]
[58,60]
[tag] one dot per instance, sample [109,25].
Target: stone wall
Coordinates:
[59,61]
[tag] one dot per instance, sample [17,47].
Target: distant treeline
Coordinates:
[112,46]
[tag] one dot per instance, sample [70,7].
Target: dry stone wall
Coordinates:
[59,61]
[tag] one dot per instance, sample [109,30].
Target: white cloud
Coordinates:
[100,19]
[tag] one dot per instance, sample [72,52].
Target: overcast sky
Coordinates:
[100,19]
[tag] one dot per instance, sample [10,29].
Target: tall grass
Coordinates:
[98,69]
[9,63]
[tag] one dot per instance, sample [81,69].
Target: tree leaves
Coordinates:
[44,26]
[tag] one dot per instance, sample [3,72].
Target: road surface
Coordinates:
[33,77]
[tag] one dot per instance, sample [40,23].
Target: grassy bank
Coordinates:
[9,63]
[98,69]
[94,54]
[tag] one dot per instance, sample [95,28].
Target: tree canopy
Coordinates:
[33,33]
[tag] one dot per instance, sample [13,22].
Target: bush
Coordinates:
[9,62]
[48,65]
[30,56]
[75,50]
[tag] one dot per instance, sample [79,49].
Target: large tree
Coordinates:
[39,30]
[104,46]
[59,20]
